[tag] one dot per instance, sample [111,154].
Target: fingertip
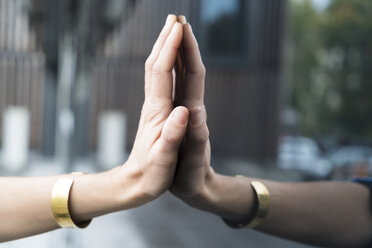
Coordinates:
[174,130]
[188,29]
[189,37]
[181,115]
[182,108]
[188,26]
[182,19]
[177,26]
[176,32]
[169,23]
[171,18]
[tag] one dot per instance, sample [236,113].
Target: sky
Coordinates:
[212,9]
[320,4]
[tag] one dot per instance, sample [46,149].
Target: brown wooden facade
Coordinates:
[22,67]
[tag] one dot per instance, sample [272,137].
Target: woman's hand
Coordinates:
[148,172]
[194,173]
[195,182]
[150,168]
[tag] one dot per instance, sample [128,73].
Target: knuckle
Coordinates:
[200,106]
[151,105]
[154,112]
[170,137]
[170,46]
[157,69]
[163,36]
[148,64]
[203,70]
[199,73]
[144,112]
[173,48]
[156,105]
[194,106]
[145,109]
[201,138]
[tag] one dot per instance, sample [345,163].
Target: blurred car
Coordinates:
[351,161]
[303,154]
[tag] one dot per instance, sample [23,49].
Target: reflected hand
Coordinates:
[194,174]
[152,162]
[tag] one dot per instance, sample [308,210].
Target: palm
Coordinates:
[155,152]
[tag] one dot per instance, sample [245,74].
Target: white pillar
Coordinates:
[16,129]
[111,139]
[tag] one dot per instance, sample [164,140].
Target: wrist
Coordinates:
[127,182]
[94,195]
[201,197]
[228,197]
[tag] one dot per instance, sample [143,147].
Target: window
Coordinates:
[223,30]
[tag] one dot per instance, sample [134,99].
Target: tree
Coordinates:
[330,68]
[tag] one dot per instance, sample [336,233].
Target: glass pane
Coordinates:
[222,22]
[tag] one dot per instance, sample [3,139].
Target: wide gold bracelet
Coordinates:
[60,204]
[263,199]
[263,206]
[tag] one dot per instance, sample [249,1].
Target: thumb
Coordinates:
[173,131]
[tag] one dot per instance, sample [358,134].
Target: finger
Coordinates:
[171,19]
[180,58]
[180,69]
[195,155]
[173,131]
[197,132]
[179,79]
[181,19]
[161,77]
[193,89]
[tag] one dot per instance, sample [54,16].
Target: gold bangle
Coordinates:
[263,206]
[60,204]
[263,198]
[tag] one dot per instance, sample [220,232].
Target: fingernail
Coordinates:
[196,117]
[182,19]
[169,18]
[180,117]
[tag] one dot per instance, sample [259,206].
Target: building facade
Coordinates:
[22,65]
[241,44]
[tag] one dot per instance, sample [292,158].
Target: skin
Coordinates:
[26,202]
[331,214]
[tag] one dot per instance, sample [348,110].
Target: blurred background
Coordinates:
[288,96]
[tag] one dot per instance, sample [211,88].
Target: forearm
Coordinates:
[321,213]
[26,202]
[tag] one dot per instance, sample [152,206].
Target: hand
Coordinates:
[148,172]
[195,181]
[150,168]
[194,173]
